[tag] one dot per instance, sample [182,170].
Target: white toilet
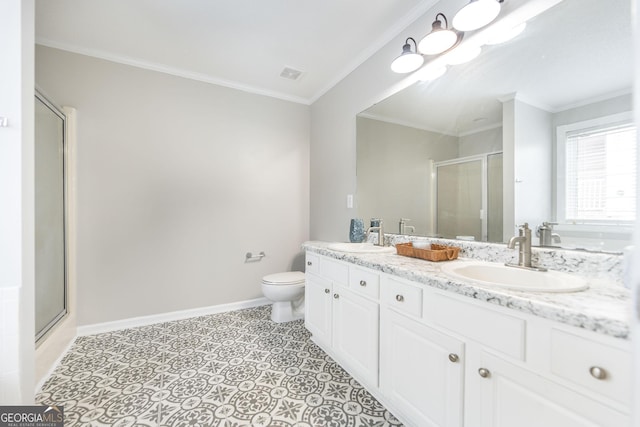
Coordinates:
[286,290]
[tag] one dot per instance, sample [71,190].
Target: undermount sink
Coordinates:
[495,275]
[361,248]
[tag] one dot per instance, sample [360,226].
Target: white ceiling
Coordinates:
[575,53]
[238,43]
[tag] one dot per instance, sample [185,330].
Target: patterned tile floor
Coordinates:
[230,369]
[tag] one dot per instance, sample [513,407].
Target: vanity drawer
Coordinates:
[365,282]
[599,367]
[401,296]
[486,326]
[312,264]
[336,271]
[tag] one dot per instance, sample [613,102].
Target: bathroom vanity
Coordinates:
[438,351]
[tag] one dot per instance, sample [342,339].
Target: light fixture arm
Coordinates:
[409,60]
[406,44]
[446,23]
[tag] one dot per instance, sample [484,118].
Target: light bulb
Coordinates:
[407,63]
[476,14]
[437,42]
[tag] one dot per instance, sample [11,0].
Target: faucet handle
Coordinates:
[404,219]
[524,226]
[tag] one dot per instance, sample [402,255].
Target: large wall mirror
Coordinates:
[492,143]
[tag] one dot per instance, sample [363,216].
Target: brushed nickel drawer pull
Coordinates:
[598,372]
[363,283]
[399,298]
[453,357]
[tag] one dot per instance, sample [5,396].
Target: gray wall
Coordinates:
[593,110]
[333,134]
[177,180]
[394,172]
[481,142]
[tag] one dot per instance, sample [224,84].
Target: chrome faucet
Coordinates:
[523,240]
[546,234]
[377,228]
[403,226]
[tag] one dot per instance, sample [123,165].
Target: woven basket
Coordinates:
[436,253]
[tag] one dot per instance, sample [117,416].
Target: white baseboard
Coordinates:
[98,328]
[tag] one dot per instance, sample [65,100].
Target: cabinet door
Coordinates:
[513,396]
[355,334]
[317,308]
[422,371]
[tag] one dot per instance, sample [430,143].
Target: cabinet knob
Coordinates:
[399,298]
[309,263]
[484,373]
[336,296]
[598,372]
[363,283]
[326,291]
[453,357]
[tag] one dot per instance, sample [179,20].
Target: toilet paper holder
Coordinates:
[251,257]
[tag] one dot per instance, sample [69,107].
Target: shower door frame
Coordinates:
[484,159]
[47,329]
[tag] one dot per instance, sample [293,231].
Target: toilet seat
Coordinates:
[287,278]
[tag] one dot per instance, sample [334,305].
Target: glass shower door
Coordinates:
[50,289]
[460,199]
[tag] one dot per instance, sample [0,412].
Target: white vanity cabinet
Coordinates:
[446,360]
[355,334]
[343,317]
[525,371]
[421,368]
[511,395]
[544,374]
[318,308]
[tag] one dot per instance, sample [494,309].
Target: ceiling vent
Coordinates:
[291,73]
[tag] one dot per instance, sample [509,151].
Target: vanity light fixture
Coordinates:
[409,60]
[439,39]
[476,14]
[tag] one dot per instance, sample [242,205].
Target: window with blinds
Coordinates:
[600,180]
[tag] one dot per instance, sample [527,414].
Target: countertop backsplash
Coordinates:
[606,266]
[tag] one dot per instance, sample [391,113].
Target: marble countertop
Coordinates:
[603,308]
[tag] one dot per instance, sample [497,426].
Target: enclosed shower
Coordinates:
[50,216]
[469,198]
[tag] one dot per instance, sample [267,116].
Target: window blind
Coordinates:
[601,174]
